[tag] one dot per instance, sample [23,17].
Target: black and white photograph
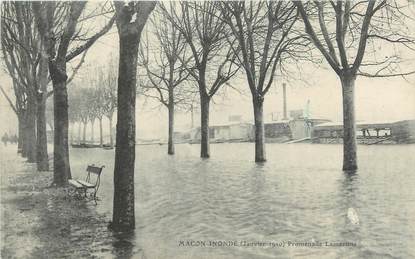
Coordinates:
[207,129]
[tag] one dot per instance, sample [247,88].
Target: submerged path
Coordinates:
[38,221]
[187,206]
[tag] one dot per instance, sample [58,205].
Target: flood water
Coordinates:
[299,195]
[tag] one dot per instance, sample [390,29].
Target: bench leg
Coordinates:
[76,193]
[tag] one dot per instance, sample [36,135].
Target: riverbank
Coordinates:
[39,221]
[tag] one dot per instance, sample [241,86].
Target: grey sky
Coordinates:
[376,99]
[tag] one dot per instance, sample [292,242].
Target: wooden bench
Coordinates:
[91,182]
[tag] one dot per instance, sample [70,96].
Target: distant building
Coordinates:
[367,132]
[291,129]
[232,132]
[297,114]
[277,131]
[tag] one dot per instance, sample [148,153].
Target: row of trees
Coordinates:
[264,38]
[208,43]
[98,100]
[202,44]
[38,40]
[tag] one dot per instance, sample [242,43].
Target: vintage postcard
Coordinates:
[207,129]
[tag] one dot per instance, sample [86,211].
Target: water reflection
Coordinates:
[230,197]
[123,244]
[348,226]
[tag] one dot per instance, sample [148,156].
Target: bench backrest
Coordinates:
[94,169]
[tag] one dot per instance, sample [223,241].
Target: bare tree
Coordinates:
[265,40]
[131,19]
[92,108]
[163,68]
[108,84]
[100,112]
[95,103]
[19,108]
[59,26]
[212,63]
[83,108]
[75,110]
[28,69]
[343,32]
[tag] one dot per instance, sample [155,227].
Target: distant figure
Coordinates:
[5,138]
[352,216]
[13,139]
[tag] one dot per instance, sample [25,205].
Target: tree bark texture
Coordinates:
[31,141]
[170,147]
[260,155]
[21,137]
[62,169]
[204,126]
[129,32]
[123,211]
[42,143]
[41,95]
[349,124]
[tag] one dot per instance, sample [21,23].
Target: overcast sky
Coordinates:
[376,99]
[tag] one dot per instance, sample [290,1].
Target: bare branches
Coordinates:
[311,32]
[202,26]
[131,17]
[77,67]
[162,61]
[91,40]
[263,35]
[355,26]
[9,100]
[379,74]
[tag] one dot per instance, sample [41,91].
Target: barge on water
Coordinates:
[382,132]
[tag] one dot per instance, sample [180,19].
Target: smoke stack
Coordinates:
[284,93]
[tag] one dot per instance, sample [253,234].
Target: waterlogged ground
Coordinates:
[186,206]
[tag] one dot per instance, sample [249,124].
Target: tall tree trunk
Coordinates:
[42,143]
[61,168]
[170,148]
[123,205]
[79,132]
[101,141]
[349,124]
[31,129]
[20,139]
[111,134]
[42,140]
[260,155]
[84,133]
[70,132]
[204,126]
[92,131]
[25,142]
[123,218]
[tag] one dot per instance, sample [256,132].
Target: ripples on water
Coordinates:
[299,195]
